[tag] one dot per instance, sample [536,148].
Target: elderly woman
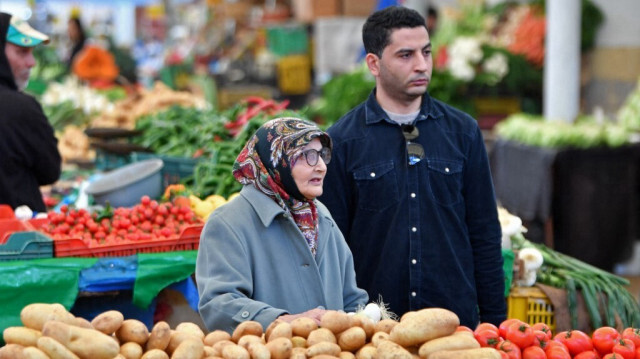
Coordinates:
[274,252]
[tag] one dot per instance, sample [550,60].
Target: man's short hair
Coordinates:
[376,31]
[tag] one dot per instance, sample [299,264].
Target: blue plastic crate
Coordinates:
[26,245]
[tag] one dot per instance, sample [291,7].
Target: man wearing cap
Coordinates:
[29,156]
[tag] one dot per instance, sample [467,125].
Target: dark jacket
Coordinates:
[29,156]
[422,235]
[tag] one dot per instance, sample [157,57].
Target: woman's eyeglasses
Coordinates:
[414,150]
[311,156]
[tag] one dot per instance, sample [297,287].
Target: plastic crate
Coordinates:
[530,305]
[26,245]
[189,239]
[106,161]
[288,40]
[294,74]
[175,169]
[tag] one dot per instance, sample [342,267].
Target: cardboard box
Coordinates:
[309,10]
[358,8]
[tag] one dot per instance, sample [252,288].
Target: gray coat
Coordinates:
[254,264]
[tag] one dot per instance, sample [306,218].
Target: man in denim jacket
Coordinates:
[410,186]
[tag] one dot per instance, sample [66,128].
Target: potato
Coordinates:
[258,350]
[34,353]
[176,339]
[54,349]
[325,356]
[36,314]
[477,353]
[379,337]
[423,325]
[82,323]
[133,330]
[216,336]
[298,353]
[190,328]
[12,351]
[323,348]
[352,339]
[119,356]
[346,355]
[209,352]
[321,335]
[335,321]
[108,322]
[131,350]
[280,348]
[303,326]
[249,327]
[282,330]
[217,347]
[299,342]
[235,351]
[246,340]
[159,337]
[367,352]
[385,325]
[189,349]
[26,337]
[364,322]
[85,343]
[451,342]
[155,354]
[390,350]
[273,324]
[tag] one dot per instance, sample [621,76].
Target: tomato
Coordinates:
[502,328]
[503,355]
[576,341]
[556,344]
[588,355]
[487,337]
[540,339]
[145,200]
[625,348]
[520,334]
[489,326]
[510,348]
[543,328]
[463,328]
[632,334]
[557,353]
[612,356]
[604,338]
[533,353]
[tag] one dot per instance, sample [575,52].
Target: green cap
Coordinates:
[22,34]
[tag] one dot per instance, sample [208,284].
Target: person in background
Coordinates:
[77,37]
[432,20]
[410,186]
[274,252]
[29,156]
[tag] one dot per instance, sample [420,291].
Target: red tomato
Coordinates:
[604,338]
[463,328]
[542,327]
[489,326]
[556,344]
[632,334]
[612,356]
[503,355]
[520,334]
[557,353]
[540,338]
[487,337]
[625,348]
[502,328]
[576,341]
[533,353]
[512,350]
[589,354]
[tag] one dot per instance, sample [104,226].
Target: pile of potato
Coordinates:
[50,331]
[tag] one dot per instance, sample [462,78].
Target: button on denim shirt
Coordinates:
[423,235]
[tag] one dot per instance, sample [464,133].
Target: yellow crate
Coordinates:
[294,74]
[530,305]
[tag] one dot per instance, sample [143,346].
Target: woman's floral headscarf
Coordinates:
[266,162]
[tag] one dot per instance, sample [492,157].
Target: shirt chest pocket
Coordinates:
[377,186]
[445,180]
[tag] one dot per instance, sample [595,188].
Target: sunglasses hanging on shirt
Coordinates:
[415,150]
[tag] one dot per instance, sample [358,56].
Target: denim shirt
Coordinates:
[423,235]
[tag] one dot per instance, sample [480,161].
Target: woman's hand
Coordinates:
[315,314]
